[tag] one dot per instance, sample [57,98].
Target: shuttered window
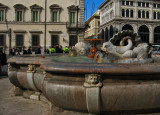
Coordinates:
[72,17]
[1,15]
[19,16]
[35,16]
[54,16]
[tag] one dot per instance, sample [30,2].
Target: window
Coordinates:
[154,15]
[127,2]
[19,40]
[147,14]
[19,17]
[55,12]
[72,17]
[123,2]
[35,16]
[131,3]
[1,15]
[36,9]
[132,13]
[158,15]
[143,4]
[143,14]
[72,40]
[139,14]
[139,3]
[54,16]
[19,12]
[123,13]
[54,40]
[127,13]
[35,42]
[147,4]
[154,5]
[2,40]
[158,5]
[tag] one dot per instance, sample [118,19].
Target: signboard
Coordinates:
[63,35]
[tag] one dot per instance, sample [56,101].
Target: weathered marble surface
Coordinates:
[110,87]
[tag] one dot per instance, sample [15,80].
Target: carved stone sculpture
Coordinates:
[125,45]
[82,48]
[31,68]
[93,80]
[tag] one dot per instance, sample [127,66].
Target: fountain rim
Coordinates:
[89,68]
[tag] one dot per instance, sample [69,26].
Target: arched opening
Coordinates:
[157,35]
[127,27]
[144,33]
[123,13]
[106,34]
[102,34]
[111,32]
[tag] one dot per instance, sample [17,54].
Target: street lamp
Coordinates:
[10,37]
[77,24]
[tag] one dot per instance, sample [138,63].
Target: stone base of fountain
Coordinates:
[89,88]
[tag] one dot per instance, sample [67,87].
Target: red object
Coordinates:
[93,52]
[94,42]
[42,56]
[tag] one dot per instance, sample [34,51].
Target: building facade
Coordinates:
[42,23]
[93,24]
[140,16]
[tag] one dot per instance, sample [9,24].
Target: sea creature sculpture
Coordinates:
[126,45]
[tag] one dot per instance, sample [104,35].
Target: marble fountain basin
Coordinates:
[86,86]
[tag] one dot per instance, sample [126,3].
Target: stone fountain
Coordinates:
[91,87]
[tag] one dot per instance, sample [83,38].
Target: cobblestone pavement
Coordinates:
[17,105]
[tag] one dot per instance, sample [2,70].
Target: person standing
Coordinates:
[29,50]
[13,51]
[66,50]
[57,48]
[18,51]
[52,50]
[38,50]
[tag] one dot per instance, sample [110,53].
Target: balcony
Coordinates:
[81,25]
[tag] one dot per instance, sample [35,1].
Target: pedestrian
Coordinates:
[66,50]
[52,50]
[57,48]
[18,51]
[29,50]
[60,49]
[47,50]
[10,51]
[38,50]
[13,51]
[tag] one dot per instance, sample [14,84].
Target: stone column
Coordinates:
[151,13]
[136,11]
[135,28]
[151,35]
